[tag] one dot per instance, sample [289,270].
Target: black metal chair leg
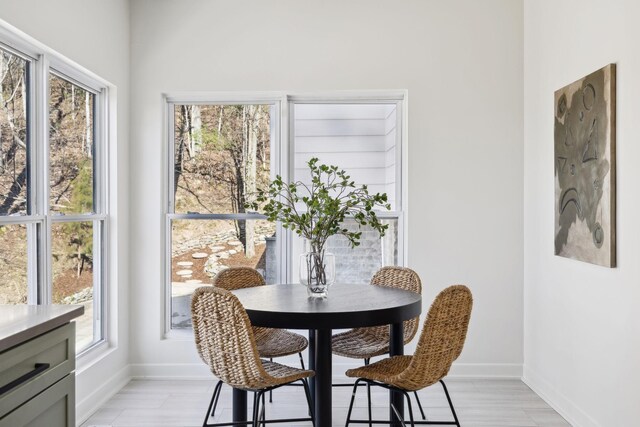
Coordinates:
[366,363]
[410,405]
[307,392]
[353,398]
[395,411]
[217,391]
[424,417]
[259,409]
[256,408]
[213,403]
[301,361]
[406,395]
[271,391]
[304,382]
[453,411]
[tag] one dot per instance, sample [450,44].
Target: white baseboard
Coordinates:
[92,402]
[559,402]
[486,370]
[171,371]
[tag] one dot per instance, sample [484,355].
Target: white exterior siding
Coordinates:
[391,160]
[359,138]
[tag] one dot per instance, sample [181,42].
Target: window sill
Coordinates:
[179,335]
[92,355]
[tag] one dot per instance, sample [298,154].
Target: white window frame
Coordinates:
[42,62]
[170,102]
[282,150]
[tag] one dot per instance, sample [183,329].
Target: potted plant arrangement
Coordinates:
[317,211]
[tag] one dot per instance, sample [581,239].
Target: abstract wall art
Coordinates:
[585,180]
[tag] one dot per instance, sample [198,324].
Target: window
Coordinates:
[364,140]
[52,188]
[220,153]
[16,207]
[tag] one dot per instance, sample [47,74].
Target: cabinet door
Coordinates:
[54,407]
[31,367]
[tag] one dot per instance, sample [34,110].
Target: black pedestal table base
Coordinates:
[239,405]
[348,306]
[396,399]
[312,362]
[322,393]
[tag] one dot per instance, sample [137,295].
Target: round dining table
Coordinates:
[288,306]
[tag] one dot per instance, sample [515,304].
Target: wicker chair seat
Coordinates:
[278,342]
[384,371]
[281,374]
[365,343]
[359,344]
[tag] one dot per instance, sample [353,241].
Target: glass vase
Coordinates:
[317,272]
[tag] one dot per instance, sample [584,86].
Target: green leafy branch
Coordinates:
[330,198]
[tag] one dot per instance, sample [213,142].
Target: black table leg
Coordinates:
[322,394]
[239,405]
[396,348]
[312,361]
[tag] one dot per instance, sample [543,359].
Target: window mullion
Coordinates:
[230,216]
[32,263]
[399,158]
[101,260]
[99,164]
[287,153]
[167,272]
[279,138]
[171,203]
[98,254]
[100,209]
[170,206]
[76,217]
[41,178]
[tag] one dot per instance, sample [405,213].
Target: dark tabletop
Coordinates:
[348,306]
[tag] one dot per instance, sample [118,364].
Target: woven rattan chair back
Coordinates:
[238,278]
[401,278]
[224,338]
[441,340]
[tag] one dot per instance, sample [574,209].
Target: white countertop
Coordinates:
[20,323]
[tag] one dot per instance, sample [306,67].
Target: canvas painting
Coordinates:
[584,140]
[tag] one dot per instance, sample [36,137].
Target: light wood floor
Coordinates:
[488,403]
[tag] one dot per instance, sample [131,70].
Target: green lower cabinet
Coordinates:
[54,407]
[37,381]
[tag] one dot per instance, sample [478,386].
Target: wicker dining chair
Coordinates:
[226,343]
[271,342]
[440,343]
[365,343]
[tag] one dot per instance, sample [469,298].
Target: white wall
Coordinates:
[582,334]
[95,35]
[461,62]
